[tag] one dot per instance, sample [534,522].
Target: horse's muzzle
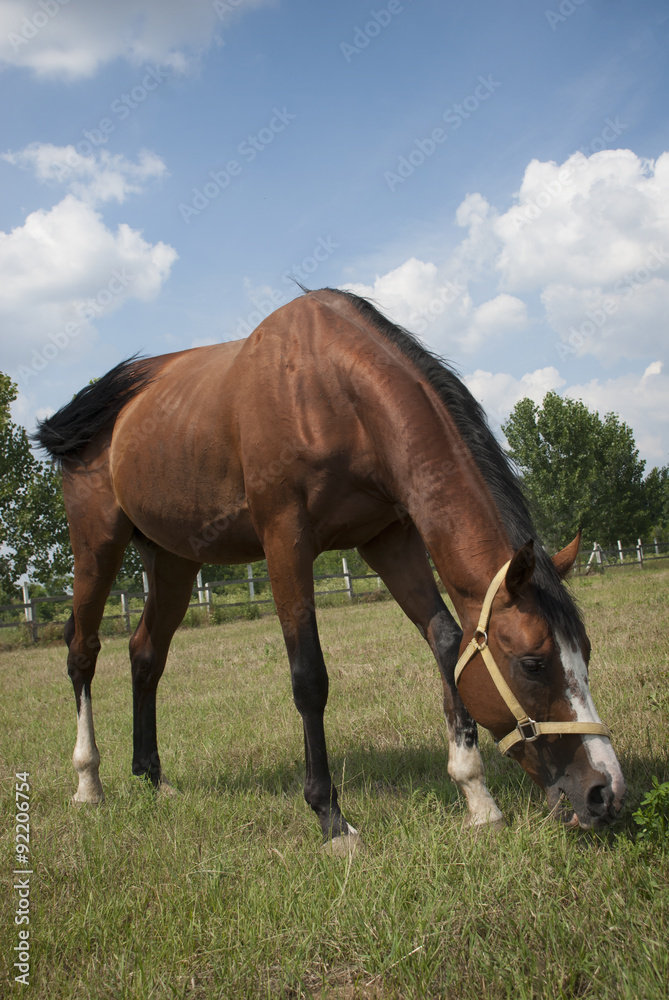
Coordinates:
[597,804]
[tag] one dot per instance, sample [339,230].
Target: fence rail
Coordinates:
[25,614]
[600,560]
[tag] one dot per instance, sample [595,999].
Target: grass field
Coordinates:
[223,892]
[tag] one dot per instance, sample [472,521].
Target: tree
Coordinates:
[657,489]
[33,527]
[580,471]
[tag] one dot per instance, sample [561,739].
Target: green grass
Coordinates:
[223,892]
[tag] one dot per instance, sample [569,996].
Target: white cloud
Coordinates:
[421,297]
[586,245]
[498,393]
[588,238]
[591,236]
[95,178]
[62,271]
[500,315]
[641,402]
[73,40]
[588,219]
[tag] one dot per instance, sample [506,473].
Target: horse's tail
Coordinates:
[96,406]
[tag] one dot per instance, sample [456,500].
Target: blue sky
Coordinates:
[495,176]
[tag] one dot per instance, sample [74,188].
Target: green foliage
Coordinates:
[33,526]
[657,490]
[581,471]
[653,814]
[130,575]
[331,563]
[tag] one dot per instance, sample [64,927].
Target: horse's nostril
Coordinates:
[599,799]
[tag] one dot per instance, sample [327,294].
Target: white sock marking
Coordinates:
[466,769]
[86,757]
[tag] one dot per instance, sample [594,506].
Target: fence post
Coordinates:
[252,587]
[29,611]
[347,578]
[202,594]
[657,547]
[620,550]
[595,555]
[125,609]
[639,552]
[145,585]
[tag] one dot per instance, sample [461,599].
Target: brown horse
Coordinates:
[328,428]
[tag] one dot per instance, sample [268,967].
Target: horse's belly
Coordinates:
[187,495]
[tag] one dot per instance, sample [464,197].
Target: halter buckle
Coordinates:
[528,731]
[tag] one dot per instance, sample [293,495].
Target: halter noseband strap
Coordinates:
[526,729]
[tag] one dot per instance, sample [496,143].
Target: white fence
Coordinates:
[599,560]
[203,594]
[637,555]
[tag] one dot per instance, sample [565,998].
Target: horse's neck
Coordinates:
[439,483]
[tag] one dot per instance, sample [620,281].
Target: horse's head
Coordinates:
[524,676]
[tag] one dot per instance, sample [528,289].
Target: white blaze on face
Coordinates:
[598,748]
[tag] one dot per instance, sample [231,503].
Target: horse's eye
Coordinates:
[532,664]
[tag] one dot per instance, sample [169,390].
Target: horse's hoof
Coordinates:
[87,800]
[345,845]
[166,790]
[483,825]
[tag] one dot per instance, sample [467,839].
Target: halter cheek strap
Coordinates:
[527,730]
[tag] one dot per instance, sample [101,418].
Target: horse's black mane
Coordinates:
[66,433]
[554,602]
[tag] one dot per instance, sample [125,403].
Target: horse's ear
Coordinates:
[520,570]
[566,557]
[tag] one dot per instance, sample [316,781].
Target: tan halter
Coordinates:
[526,729]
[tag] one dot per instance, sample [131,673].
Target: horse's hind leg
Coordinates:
[171,581]
[398,556]
[98,541]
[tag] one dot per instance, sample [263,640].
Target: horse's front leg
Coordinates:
[464,758]
[290,569]
[398,555]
